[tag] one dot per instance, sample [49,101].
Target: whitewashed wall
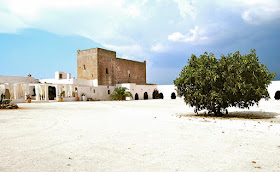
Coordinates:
[57,81]
[96,93]
[17,79]
[272,88]
[167,90]
[139,89]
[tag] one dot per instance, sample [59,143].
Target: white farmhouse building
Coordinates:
[99,73]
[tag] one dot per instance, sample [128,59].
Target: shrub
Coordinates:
[120,93]
[62,94]
[214,84]
[156,94]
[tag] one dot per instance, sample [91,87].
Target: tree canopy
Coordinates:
[120,93]
[214,84]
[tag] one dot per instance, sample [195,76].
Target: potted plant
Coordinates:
[61,96]
[84,98]
[28,97]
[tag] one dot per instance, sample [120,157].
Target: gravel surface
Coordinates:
[144,135]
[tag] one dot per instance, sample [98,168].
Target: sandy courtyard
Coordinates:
[150,135]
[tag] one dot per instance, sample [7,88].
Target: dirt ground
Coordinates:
[143,135]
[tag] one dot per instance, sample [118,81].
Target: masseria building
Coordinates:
[99,72]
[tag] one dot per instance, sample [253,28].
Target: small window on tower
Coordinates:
[128,73]
[107,71]
[108,91]
[84,67]
[60,76]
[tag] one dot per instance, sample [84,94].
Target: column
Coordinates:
[37,92]
[46,92]
[56,92]
[15,91]
[26,91]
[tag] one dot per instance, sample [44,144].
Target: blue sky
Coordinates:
[42,36]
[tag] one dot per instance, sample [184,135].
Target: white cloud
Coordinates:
[133,10]
[159,48]
[126,49]
[193,36]
[255,11]
[260,15]
[101,21]
[10,23]
[186,7]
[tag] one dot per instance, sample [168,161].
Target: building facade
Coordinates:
[99,72]
[103,65]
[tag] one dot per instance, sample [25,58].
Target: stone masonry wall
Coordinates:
[87,64]
[103,65]
[106,67]
[128,71]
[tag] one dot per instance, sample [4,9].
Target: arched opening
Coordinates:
[52,92]
[277,95]
[33,93]
[146,96]
[160,95]
[173,95]
[7,94]
[136,97]
[155,94]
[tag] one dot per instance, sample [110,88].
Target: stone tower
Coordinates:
[103,65]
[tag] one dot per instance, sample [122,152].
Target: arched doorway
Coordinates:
[160,95]
[173,95]
[7,94]
[52,92]
[277,95]
[146,96]
[136,97]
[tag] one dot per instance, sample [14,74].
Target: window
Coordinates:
[107,71]
[94,91]
[60,76]
[108,91]
[128,73]
[84,67]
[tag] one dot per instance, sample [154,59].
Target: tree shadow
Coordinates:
[242,115]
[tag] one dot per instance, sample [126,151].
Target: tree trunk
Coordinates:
[218,112]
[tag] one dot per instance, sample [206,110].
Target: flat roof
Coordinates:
[96,48]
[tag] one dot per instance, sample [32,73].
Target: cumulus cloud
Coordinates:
[255,11]
[132,27]
[126,49]
[260,15]
[10,23]
[70,16]
[193,36]
[159,48]
[186,8]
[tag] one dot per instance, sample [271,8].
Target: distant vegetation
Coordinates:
[120,93]
[215,84]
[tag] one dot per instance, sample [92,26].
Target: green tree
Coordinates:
[214,84]
[120,93]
